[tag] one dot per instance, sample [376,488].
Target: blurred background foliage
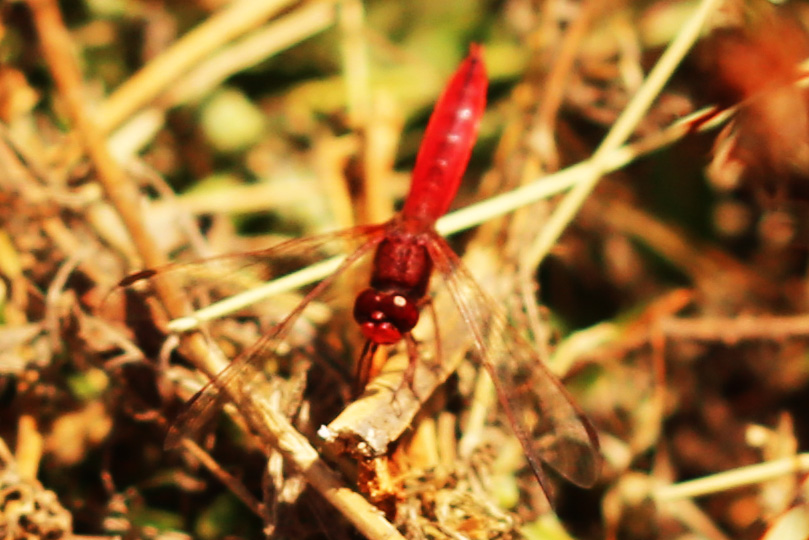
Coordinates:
[675,300]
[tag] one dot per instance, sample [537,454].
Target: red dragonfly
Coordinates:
[407,248]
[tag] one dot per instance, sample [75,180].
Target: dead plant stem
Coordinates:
[58,51]
[154,78]
[619,133]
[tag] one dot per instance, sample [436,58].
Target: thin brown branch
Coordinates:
[269,423]
[732,330]
[555,85]
[236,487]
[198,44]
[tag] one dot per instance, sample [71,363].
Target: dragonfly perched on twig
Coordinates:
[406,252]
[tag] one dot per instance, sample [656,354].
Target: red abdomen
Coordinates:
[389,308]
[451,133]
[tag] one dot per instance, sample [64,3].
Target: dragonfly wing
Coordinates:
[549,425]
[245,269]
[196,414]
[238,380]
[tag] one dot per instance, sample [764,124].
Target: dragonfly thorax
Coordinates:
[402,264]
[384,317]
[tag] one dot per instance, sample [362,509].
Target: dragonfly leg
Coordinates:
[365,365]
[412,360]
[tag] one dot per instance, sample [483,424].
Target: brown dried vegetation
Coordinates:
[674,303]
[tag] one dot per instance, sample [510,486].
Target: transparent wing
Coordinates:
[241,376]
[244,372]
[226,274]
[239,379]
[550,427]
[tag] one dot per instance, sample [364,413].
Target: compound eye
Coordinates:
[366,306]
[384,317]
[401,312]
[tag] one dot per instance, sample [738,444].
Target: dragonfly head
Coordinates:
[384,317]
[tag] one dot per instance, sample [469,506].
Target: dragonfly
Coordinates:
[407,251]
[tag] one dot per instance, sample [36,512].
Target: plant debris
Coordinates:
[654,255]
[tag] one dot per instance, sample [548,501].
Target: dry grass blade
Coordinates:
[654,156]
[56,45]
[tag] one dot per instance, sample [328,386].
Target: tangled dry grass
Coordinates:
[639,200]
